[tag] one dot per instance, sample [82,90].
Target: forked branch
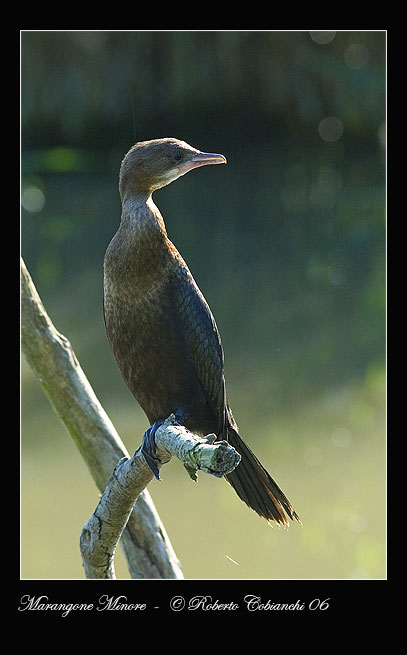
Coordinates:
[125,509]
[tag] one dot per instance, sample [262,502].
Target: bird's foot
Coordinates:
[148,448]
[180,416]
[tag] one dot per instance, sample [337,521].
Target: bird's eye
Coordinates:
[178,156]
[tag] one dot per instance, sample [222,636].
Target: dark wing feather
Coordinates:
[250,480]
[203,342]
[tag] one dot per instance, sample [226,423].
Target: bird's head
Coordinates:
[150,165]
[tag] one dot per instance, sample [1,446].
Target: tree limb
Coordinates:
[144,541]
[102,532]
[196,453]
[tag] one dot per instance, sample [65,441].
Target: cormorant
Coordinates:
[161,329]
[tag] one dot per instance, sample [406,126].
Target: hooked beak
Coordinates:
[201,159]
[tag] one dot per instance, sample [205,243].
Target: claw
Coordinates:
[148,448]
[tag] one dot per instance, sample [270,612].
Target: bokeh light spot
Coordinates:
[323,36]
[381,134]
[32,199]
[313,456]
[330,129]
[356,56]
[341,437]
[336,275]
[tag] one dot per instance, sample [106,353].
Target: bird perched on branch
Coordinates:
[161,329]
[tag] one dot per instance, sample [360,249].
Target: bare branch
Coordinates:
[144,541]
[102,532]
[196,453]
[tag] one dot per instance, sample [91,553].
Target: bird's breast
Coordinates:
[152,311]
[151,352]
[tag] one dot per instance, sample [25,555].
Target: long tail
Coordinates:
[256,487]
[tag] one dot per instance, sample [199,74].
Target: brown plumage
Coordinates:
[160,327]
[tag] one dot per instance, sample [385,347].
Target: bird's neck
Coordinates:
[140,254]
[141,218]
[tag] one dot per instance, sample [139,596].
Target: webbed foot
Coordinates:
[148,447]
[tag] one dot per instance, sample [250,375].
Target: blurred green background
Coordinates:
[287,242]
